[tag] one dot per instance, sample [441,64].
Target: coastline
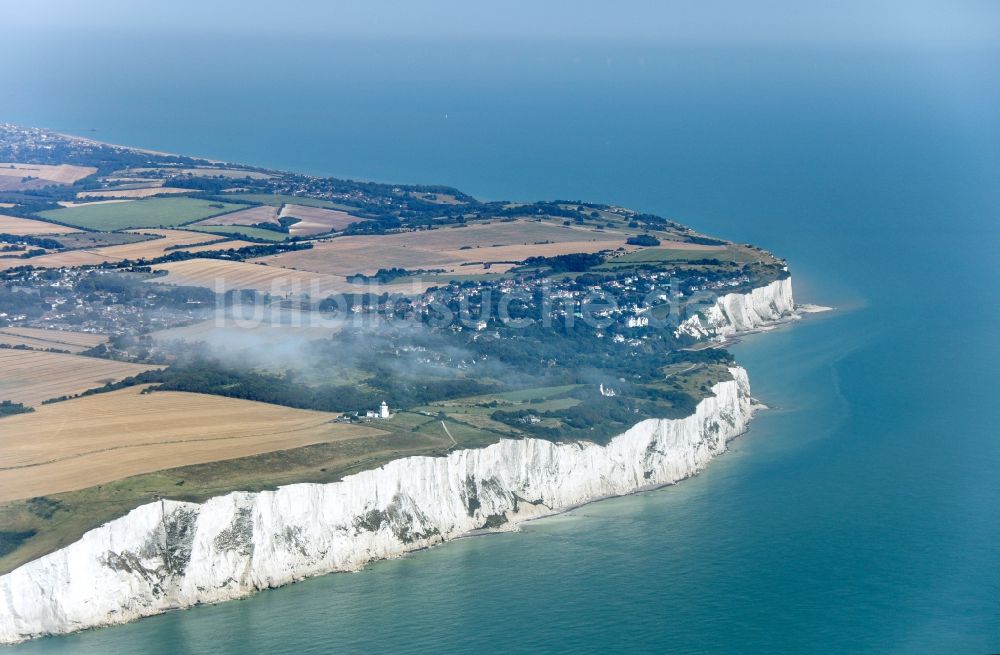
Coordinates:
[170,555]
[89,141]
[134,581]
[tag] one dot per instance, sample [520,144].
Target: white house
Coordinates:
[637,321]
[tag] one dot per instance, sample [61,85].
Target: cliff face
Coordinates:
[742,312]
[170,554]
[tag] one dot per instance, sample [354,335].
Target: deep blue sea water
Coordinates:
[859,514]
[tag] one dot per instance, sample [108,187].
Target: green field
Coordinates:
[237,230]
[152,212]
[277,200]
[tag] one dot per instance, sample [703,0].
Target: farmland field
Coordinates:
[29,227]
[100,239]
[29,377]
[97,439]
[144,192]
[164,242]
[244,275]
[13,176]
[316,220]
[270,279]
[237,230]
[91,203]
[41,339]
[152,212]
[277,200]
[58,519]
[252,216]
[448,248]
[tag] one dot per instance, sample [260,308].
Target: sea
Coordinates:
[859,514]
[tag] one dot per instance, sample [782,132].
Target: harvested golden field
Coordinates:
[244,275]
[221,274]
[30,227]
[130,193]
[15,176]
[252,216]
[105,437]
[166,243]
[31,376]
[39,338]
[448,248]
[316,220]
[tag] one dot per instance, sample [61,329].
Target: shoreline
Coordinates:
[171,555]
[568,492]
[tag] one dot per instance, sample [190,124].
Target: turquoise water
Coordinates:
[859,514]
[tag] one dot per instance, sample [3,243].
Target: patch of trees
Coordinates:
[704,241]
[283,224]
[38,242]
[126,289]
[572,263]
[643,240]
[233,254]
[376,225]
[11,540]
[203,375]
[29,303]
[205,184]
[386,275]
[9,408]
[702,356]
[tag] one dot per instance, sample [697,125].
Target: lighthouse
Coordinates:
[383,410]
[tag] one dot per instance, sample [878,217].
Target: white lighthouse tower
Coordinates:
[383,410]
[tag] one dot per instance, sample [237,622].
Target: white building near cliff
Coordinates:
[381,413]
[637,321]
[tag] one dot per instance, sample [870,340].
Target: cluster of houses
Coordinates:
[95,311]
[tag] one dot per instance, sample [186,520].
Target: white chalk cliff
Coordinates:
[733,313]
[170,554]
